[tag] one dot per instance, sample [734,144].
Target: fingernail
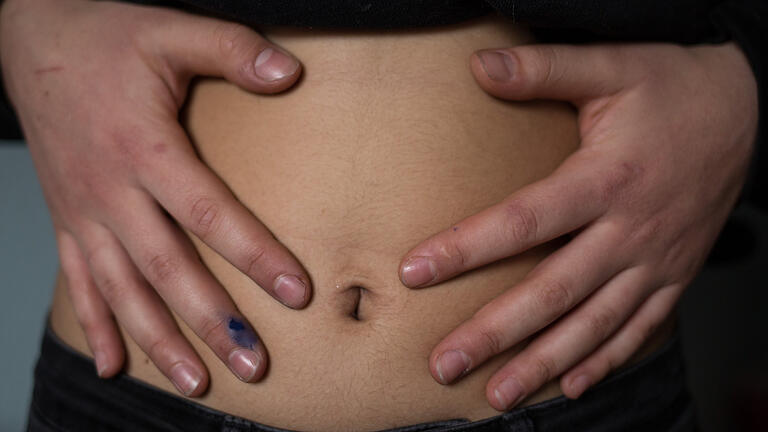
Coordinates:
[185,378]
[451,364]
[101,363]
[509,393]
[580,384]
[273,65]
[244,363]
[499,65]
[418,271]
[290,290]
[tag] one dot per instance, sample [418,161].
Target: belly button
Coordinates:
[357,297]
[349,296]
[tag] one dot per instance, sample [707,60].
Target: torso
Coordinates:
[386,140]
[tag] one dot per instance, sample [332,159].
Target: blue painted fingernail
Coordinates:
[242,334]
[244,361]
[509,393]
[418,271]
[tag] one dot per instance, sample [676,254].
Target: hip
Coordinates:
[648,396]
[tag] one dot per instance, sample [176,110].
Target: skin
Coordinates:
[643,199]
[97,94]
[662,160]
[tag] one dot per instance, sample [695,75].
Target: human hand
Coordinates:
[97,87]
[666,136]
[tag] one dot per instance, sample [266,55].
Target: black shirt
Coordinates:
[680,21]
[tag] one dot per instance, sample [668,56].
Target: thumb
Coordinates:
[560,72]
[192,45]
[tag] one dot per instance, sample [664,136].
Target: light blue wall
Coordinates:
[28,263]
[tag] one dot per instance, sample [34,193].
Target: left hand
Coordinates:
[667,133]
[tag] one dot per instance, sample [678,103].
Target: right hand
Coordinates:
[97,87]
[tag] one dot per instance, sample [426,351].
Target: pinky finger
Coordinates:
[91,309]
[624,343]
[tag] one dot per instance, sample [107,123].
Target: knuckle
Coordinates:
[647,231]
[162,268]
[209,326]
[601,363]
[96,186]
[88,325]
[226,35]
[208,329]
[545,62]
[491,339]
[544,368]
[230,37]
[204,214]
[130,150]
[159,348]
[617,179]
[553,296]
[522,223]
[458,254]
[128,145]
[602,323]
[254,259]
[112,289]
[94,255]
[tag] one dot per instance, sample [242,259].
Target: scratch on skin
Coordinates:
[50,69]
[455,229]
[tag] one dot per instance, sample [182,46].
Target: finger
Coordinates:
[142,313]
[560,72]
[569,340]
[579,191]
[622,345]
[549,291]
[198,45]
[92,311]
[166,258]
[201,203]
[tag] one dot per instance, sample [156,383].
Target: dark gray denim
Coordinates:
[68,396]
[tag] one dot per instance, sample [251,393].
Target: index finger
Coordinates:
[202,203]
[576,193]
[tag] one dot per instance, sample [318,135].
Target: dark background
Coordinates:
[723,313]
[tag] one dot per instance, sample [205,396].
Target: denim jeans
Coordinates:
[68,396]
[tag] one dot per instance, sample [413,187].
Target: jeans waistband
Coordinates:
[648,396]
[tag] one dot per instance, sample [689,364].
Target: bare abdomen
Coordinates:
[386,140]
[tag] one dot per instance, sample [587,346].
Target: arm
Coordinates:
[97,87]
[667,135]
